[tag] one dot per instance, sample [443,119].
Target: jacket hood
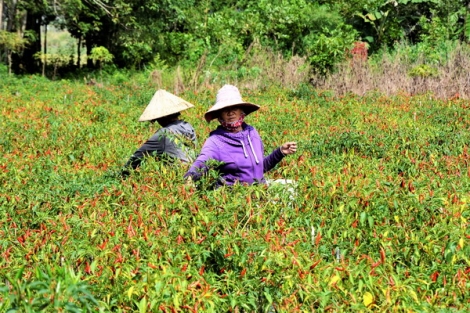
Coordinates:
[241,140]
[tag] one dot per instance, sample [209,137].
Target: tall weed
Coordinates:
[406,69]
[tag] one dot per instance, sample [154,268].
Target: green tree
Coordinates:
[25,17]
[301,27]
[91,22]
[36,13]
[101,56]
[161,27]
[386,22]
[12,43]
[135,31]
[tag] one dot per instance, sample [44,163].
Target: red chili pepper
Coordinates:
[201,240]
[382,254]
[179,239]
[434,276]
[103,245]
[317,239]
[314,264]
[87,268]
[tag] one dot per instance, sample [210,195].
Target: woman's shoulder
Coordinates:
[212,139]
[221,139]
[217,132]
[251,130]
[248,127]
[179,124]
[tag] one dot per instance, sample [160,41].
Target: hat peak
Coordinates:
[163,103]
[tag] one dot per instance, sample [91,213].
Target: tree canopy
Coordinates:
[136,32]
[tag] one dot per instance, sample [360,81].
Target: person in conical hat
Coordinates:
[235,144]
[175,139]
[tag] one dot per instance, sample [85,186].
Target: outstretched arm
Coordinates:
[199,167]
[156,144]
[278,154]
[289,148]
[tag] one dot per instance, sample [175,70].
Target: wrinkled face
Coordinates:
[231,114]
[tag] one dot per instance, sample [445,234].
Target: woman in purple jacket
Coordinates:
[235,144]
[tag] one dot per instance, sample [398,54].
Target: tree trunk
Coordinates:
[1,14]
[89,46]
[9,62]
[12,12]
[1,27]
[44,62]
[33,23]
[79,51]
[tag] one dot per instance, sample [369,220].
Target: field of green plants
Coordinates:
[379,222]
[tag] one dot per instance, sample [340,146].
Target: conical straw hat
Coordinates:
[229,96]
[162,104]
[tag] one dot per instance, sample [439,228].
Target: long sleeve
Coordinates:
[270,161]
[155,145]
[199,167]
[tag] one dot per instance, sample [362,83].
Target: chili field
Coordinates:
[378,220]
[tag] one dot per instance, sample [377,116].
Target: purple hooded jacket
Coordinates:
[242,155]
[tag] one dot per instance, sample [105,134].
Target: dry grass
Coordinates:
[393,75]
[275,68]
[156,78]
[259,68]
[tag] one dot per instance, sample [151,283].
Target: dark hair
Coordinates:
[167,119]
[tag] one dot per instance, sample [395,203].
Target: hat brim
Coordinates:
[163,104]
[215,110]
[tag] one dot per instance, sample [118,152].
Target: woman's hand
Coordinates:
[289,148]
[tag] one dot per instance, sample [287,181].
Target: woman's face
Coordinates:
[231,114]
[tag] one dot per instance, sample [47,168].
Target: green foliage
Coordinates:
[326,49]
[385,22]
[423,70]
[158,64]
[57,60]
[11,41]
[54,289]
[3,70]
[101,54]
[188,32]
